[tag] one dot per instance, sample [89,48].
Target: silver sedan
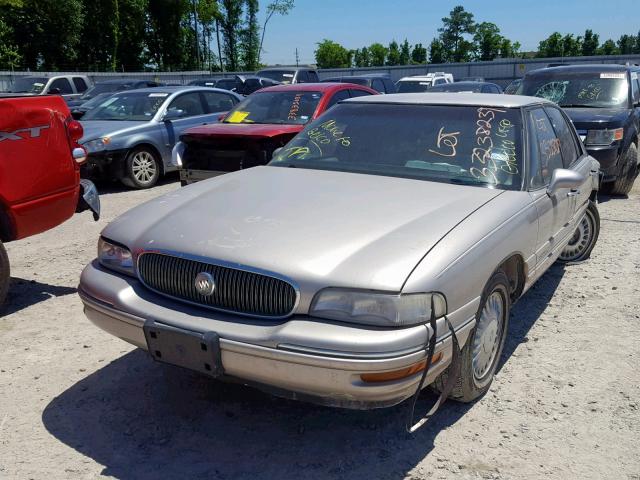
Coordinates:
[129,135]
[334,273]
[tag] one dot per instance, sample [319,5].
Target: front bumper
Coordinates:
[89,198]
[607,156]
[105,165]
[189,176]
[285,358]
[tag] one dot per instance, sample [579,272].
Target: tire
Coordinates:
[142,168]
[584,238]
[624,183]
[4,274]
[475,378]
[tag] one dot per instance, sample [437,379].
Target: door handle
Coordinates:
[573,193]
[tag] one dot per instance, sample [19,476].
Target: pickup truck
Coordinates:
[68,86]
[603,102]
[40,158]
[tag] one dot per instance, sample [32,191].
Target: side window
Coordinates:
[218,102]
[495,89]
[62,84]
[80,84]
[303,77]
[358,93]
[635,92]
[568,146]
[341,95]
[440,81]
[378,85]
[486,89]
[189,103]
[313,77]
[544,155]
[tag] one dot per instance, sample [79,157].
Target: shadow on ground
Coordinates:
[24,293]
[143,420]
[106,187]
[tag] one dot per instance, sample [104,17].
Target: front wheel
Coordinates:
[481,354]
[584,238]
[142,168]
[4,274]
[624,183]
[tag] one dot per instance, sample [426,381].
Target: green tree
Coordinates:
[436,52]
[452,35]
[9,56]
[609,47]
[419,54]
[551,46]
[488,41]
[378,54]
[361,57]
[590,43]
[393,53]
[405,53]
[509,49]
[250,37]
[571,46]
[637,48]
[169,44]
[281,7]
[330,54]
[230,25]
[627,44]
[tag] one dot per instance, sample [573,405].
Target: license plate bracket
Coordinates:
[184,348]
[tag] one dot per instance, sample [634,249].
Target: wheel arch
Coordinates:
[151,147]
[7,230]
[514,268]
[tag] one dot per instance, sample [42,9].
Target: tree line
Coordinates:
[461,39]
[134,35]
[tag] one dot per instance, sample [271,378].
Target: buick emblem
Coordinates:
[205,284]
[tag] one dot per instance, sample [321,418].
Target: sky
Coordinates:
[355,24]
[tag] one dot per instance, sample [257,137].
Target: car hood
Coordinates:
[585,118]
[250,130]
[99,128]
[319,228]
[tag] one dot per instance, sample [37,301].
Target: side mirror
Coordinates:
[563,178]
[173,114]
[54,91]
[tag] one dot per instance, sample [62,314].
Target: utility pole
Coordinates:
[297,58]
[195,27]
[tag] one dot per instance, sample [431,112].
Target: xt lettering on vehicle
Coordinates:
[34,132]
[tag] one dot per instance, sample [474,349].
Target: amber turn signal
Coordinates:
[399,374]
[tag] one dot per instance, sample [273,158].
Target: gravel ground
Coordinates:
[76,403]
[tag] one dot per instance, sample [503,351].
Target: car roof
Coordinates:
[422,78]
[591,68]
[446,98]
[122,81]
[311,87]
[287,67]
[173,89]
[364,76]
[471,83]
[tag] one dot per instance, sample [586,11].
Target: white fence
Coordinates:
[500,71]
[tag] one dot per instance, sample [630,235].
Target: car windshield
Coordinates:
[282,76]
[464,145]
[579,89]
[132,105]
[292,108]
[99,88]
[457,87]
[513,87]
[413,86]
[95,101]
[28,85]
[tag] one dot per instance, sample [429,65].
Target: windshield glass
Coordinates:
[95,101]
[282,76]
[28,85]
[132,105]
[465,145]
[457,87]
[412,86]
[99,88]
[580,89]
[292,108]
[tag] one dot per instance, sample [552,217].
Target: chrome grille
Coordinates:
[236,291]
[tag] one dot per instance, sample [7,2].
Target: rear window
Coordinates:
[580,89]
[80,84]
[282,76]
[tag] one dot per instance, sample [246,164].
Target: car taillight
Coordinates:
[75,130]
[74,133]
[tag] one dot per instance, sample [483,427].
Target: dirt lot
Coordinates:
[76,403]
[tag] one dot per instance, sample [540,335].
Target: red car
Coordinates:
[261,123]
[40,160]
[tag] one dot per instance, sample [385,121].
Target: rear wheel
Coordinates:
[4,273]
[624,183]
[481,354]
[142,168]
[584,238]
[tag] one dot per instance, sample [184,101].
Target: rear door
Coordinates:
[554,212]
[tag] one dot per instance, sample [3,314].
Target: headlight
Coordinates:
[604,136]
[115,257]
[380,309]
[97,145]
